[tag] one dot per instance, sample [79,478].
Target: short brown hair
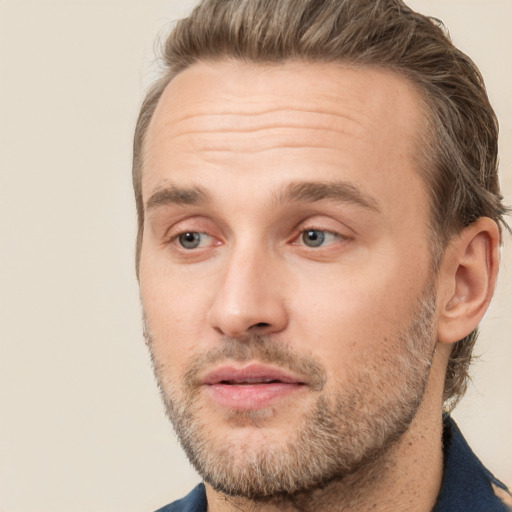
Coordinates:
[460,155]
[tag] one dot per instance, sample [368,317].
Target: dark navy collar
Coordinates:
[467,486]
[194,501]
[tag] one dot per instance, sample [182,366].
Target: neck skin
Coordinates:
[406,477]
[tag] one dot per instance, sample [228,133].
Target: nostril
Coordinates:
[260,325]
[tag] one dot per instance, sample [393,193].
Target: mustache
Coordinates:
[264,349]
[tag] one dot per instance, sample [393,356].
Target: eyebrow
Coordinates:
[340,191]
[309,192]
[176,195]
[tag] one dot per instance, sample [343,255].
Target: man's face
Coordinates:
[285,269]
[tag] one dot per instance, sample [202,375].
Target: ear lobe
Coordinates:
[467,278]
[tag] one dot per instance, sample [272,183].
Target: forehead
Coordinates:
[237,87]
[235,119]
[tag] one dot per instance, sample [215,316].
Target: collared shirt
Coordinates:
[467,486]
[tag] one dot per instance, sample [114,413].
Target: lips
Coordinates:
[252,387]
[250,374]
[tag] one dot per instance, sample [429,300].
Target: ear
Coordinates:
[467,278]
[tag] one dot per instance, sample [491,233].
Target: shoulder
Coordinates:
[194,501]
[467,485]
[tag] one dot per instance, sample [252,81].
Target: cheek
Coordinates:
[349,316]
[168,291]
[174,311]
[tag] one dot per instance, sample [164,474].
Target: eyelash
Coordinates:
[325,234]
[299,240]
[177,239]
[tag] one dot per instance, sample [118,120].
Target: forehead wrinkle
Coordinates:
[275,145]
[224,120]
[248,121]
[261,136]
[250,112]
[256,141]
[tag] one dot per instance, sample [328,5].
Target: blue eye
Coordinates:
[313,237]
[190,240]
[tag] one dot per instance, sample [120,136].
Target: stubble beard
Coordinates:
[333,439]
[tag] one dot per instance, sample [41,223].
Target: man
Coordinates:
[319,223]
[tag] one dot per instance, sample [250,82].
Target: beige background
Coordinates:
[81,425]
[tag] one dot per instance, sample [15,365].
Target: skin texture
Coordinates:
[248,159]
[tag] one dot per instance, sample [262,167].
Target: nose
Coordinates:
[250,296]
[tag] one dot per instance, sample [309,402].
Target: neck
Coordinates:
[406,477]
